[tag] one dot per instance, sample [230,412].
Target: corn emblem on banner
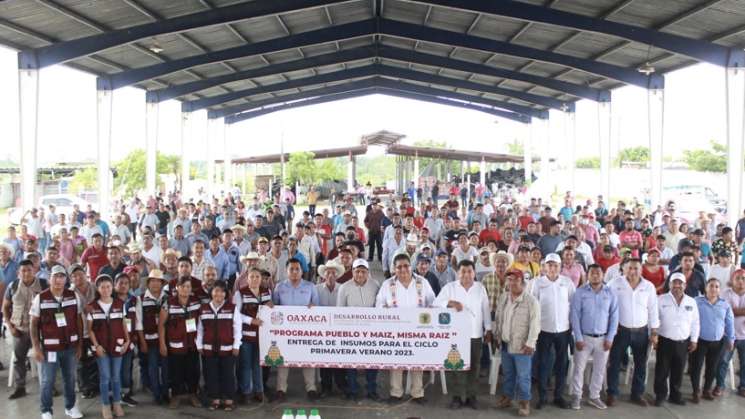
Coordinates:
[361,337]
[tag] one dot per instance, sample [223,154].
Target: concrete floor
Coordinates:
[334,407]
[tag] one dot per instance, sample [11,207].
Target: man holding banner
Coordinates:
[360,292]
[405,289]
[466,294]
[295,291]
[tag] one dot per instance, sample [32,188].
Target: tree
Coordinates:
[588,163]
[714,160]
[84,180]
[516,147]
[131,170]
[639,154]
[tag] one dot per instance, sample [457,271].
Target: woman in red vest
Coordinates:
[219,340]
[177,334]
[248,299]
[110,340]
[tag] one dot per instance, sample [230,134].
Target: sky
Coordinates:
[694,114]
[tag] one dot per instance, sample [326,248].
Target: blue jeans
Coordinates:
[67,362]
[559,342]
[126,371]
[516,369]
[371,376]
[109,370]
[157,372]
[724,365]
[250,376]
[638,340]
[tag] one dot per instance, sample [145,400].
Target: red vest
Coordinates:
[150,317]
[109,329]
[217,327]
[250,307]
[131,315]
[53,337]
[179,317]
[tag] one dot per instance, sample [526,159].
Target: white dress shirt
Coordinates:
[393,294]
[475,302]
[637,307]
[678,321]
[554,298]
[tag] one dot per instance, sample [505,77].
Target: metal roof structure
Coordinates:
[240,59]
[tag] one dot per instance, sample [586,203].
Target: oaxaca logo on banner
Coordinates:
[361,337]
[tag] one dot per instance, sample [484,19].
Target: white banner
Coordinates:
[361,337]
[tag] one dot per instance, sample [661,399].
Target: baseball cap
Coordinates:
[552,257]
[58,269]
[514,271]
[678,276]
[423,258]
[360,263]
[442,252]
[76,267]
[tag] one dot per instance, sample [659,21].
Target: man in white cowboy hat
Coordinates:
[251,260]
[239,238]
[328,292]
[409,249]
[496,281]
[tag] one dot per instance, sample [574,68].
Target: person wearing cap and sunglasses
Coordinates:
[56,328]
[679,332]
[554,294]
[110,340]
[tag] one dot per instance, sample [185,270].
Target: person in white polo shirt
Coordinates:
[405,289]
[469,295]
[679,329]
[638,320]
[554,294]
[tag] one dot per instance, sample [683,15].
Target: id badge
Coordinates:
[52,357]
[61,320]
[191,325]
[128,323]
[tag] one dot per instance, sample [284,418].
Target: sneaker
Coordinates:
[597,403]
[576,402]
[472,403]
[127,400]
[46,415]
[373,396]
[74,413]
[561,403]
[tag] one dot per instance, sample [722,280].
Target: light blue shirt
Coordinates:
[221,262]
[285,294]
[717,320]
[234,259]
[594,313]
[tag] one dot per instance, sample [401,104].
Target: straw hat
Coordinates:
[501,255]
[331,265]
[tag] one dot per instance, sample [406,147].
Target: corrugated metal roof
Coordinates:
[28,24]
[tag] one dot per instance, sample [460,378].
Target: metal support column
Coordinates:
[544,143]
[28,107]
[604,115]
[735,94]
[570,130]
[227,162]
[104,113]
[528,154]
[656,125]
[212,126]
[350,175]
[186,141]
[415,176]
[151,147]
[482,171]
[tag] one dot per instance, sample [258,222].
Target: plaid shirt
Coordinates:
[493,289]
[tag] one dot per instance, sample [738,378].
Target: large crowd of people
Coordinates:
[168,289]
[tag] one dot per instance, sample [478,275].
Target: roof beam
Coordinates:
[339,57]
[694,48]
[69,50]
[232,119]
[331,34]
[439,36]
[385,83]
[431,60]
[386,71]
